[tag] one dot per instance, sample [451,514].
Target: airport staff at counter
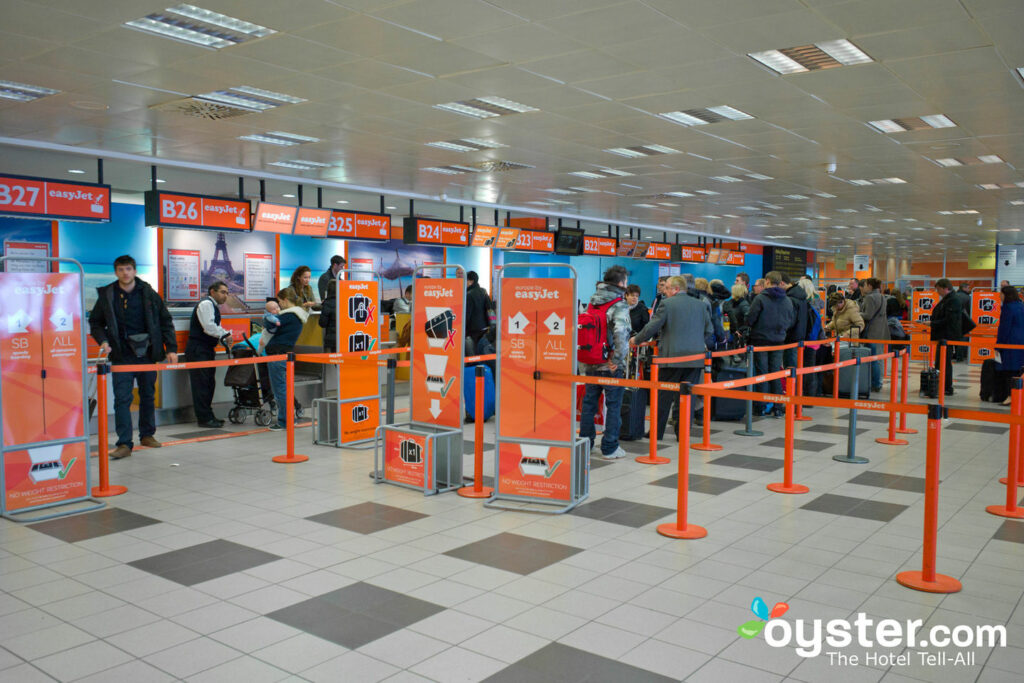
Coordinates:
[204,333]
[337,263]
[302,294]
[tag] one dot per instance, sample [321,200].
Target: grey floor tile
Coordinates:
[486,480]
[749,462]
[204,562]
[980,429]
[1010,531]
[800,444]
[470,446]
[514,553]
[702,483]
[557,662]
[109,520]
[199,433]
[866,417]
[624,512]
[890,481]
[366,518]
[854,507]
[832,429]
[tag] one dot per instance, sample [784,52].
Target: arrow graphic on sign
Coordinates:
[62,322]
[18,322]
[435,407]
[517,323]
[555,324]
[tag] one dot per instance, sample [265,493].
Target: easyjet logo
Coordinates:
[438,293]
[276,216]
[223,208]
[537,295]
[314,220]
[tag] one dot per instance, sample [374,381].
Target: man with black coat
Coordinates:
[204,333]
[770,317]
[131,323]
[963,293]
[797,332]
[946,323]
[337,263]
[477,305]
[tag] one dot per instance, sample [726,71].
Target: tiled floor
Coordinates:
[229,567]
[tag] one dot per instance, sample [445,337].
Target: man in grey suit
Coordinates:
[685,327]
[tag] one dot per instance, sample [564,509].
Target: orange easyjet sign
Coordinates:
[438,343]
[358,321]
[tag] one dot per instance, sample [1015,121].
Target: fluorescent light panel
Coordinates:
[701,117]
[642,151]
[199,26]
[466,145]
[912,123]
[486,107]
[825,55]
[23,92]
[279,138]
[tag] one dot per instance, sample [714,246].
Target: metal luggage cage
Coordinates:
[578,446]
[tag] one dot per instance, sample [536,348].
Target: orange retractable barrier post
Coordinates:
[891,440]
[705,438]
[478,490]
[104,490]
[835,372]
[927,579]
[680,528]
[290,456]
[904,381]
[787,485]
[1010,509]
[942,351]
[652,458]
[800,383]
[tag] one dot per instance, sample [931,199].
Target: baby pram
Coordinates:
[251,386]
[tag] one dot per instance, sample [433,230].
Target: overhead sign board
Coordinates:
[276,218]
[599,246]
[485,236]
[356,225]
[312,222]
[535,240]
[27,197]
[507,238]
[659,251]
[196,211]
[441,233]
[688,253]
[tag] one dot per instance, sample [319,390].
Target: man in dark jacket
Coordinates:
[685,326]
[131,323]
[659,294]
[797,331]
[638,315]
[329,318]
[204,333]
[876,324]
[771,315]
[946,323]
[853,290]
[477,305]
[963,293]
[337,263]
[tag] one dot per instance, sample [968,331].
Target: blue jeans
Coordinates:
[876,366]
[124,382]
[278,370]
[613,412]
[765,362]
[789,357]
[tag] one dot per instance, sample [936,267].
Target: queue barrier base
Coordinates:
[690,531]
[471,492]
[1003,511]
[892,442]
[905,430]
[1006,480]
[656,460]
[792,488]
[705,447]
[942,583]
[851,459]
[112,490]
[290,459]
[747,432]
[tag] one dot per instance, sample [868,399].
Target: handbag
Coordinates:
[139,344]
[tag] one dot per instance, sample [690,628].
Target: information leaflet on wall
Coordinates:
[442,233]
[861,263]
[26,250]
[27,197]
[259,276]
[537,334]
[358,325]
[599,246]
[41,363]
[985,308]
[196,211]
[182,275]
[356,225]
[406,458]
[669,269]
[438,339]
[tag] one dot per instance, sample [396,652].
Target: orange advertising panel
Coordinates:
[438,343]
[599,246]
[276,218]
[359,226]
[735,258]
[535,240]
[444,233]
[26,197]
[921,305]
[312,222]
[180,210]
[360,419]
[407,458]
[688,254]
[535,471]
[41,363]
[661,251]
[507,238]
[985,307]
[358,323]
[537,334]
[485,236]
[626,248]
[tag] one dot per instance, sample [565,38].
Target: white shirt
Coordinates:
[205,313]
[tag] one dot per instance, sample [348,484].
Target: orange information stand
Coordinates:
[44,441]
[985,307]
[540,465]
[425,453]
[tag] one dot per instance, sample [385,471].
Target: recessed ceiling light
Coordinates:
[289,196]
[758,176]
[825,195]
[726,179]
[601,173]
[797,196]
[679,194]
[249,98]
[279,138]
[161,180]
[486,107]
[645,206]
[391,208]
[701,117]
[912,123]
[300,165]
[641,151]
[706,192]
[560,190]
[949,162]
[23,92]
[76,171]
[199,26]
[1017,202]
[341,201]
[446,170]
[1001,186]
[466,144]
[825,55]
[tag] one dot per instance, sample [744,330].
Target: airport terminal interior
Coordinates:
[298,310]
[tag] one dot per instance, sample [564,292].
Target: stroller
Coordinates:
[251,387]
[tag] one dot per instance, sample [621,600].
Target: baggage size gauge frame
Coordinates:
[534,453]
[82,439]
[438,447]
[333,408]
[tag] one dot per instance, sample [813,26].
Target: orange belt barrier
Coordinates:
[194,365]
[652,457]
[290,456]
[800,383]
[787,485]
[681,528]
[1013,473]
[478,490]
[679,359]
[610,381]
[705,439]
[891,439]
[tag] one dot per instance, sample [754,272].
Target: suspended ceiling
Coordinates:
[598,73]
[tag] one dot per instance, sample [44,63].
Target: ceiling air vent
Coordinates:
[496,166]
[198,108]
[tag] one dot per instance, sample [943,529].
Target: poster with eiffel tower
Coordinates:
[222,258]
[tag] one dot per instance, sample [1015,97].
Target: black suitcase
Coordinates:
[812,380]
[728,408]
[848,352]
[995,385]
[929,383]
[634,405]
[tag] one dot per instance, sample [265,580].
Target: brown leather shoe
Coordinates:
[120,452]
[149,442]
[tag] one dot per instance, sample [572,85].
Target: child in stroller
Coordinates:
[251,387]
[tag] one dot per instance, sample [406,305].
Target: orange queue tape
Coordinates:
[197,364]
[480,359]
[610,381]
[680,359]
[332,358]
[747,381]
[844,403]
[731,352]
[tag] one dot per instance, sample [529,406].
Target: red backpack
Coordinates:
[592,334]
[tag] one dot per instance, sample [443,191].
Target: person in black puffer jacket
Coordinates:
[328,317]
[771,315]
[797,332]
[736,310]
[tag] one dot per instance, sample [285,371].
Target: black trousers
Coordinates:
[949,367]
[203,381]
[667,400]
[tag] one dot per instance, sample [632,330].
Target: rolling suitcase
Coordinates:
[846,352]
[728,408]
[634,404]
[469,392]
[988,381]
[929,383]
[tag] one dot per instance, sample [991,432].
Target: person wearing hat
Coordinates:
[337,263]
[846,318]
